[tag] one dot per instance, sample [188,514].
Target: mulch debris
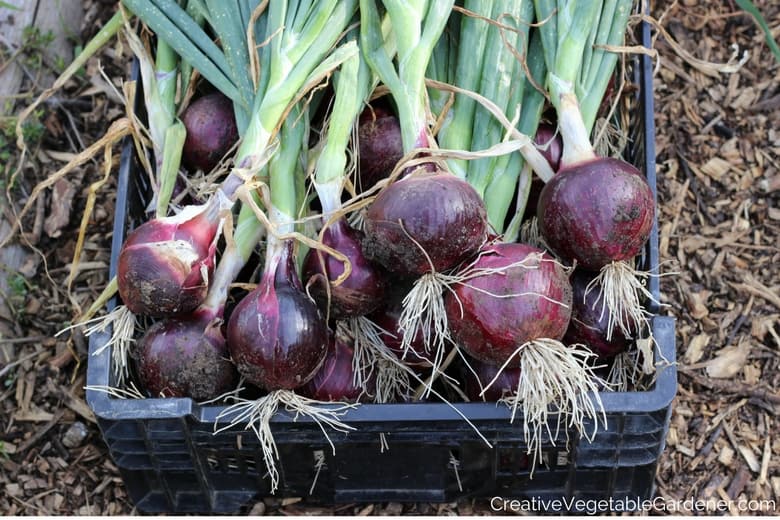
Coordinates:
[718,157]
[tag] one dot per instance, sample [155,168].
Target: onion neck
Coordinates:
[576,139]
[247,234]
[329,194]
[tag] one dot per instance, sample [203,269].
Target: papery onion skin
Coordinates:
[361,292]
[491,315]
[550,144]
[164,265]
[211,131]
[276,335]
[588,324]
[444,215]
[185,357]
[596,212]
[334,380]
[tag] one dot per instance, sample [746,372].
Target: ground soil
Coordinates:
[718,166]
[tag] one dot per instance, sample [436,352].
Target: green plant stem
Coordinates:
[175,135]
[172,24]
[417,26]
[195,12]
[548,29]
[442,66]
[456,133]
[575,21]
[246,235]
[510,170]
[502,80]
[166,65]
[602,66]
[286,79]
[351,90]
[282,170]
[751,9]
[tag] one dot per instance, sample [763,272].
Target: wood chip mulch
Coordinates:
[718,159]
[719,186]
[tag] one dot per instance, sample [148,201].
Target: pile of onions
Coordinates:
[596,211]
[434,269]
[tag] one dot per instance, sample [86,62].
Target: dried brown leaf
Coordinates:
[695,349]
[729,361]
[697,303]
[60,207]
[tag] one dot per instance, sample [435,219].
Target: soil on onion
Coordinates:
[718,164]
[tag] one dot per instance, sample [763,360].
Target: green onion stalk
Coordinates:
[603,233]
[299,37]
[579,67]
[160,77]
[488,66]
[513,171]
[299,49]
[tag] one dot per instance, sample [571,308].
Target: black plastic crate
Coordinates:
[171,460]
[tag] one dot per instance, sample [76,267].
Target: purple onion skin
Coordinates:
[162,264]
[333,381]
[276,335]
[550,144]
[491,328]
[211,131]
[380,145]
[443,214]
[506,384]
[387,318]
[544,134]
[364,288]
[596,212]
[588,327]
[186,357]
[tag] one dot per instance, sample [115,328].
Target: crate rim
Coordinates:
[659,397]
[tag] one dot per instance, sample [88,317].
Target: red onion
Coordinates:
[387,318]
[550,144]
[276,335]
[186,357]
[361,292]
[524,295]
[596,212]
[589,322]
[483,374]
[211,131]
[165,264]
[334,381]
[379,144]
[427,221]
